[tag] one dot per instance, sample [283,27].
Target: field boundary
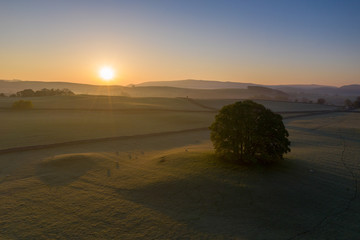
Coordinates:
[308,113]
[116,138]
[193,101]
[95,140]
[112,110]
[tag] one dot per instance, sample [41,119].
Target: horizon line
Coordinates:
[129,84]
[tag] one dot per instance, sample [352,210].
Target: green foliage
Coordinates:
[45,92]
[248,132]
[22,105]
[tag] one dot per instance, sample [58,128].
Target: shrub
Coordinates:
[321,101]
[22,105]
[248,133]
[357,102]
[348,103]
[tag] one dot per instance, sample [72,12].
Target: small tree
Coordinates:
[26,93]
[348,103]
[22,105]
[357,102]
[248,132]
[321,101]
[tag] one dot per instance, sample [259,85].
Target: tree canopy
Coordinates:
[248,132]
[44,92]
[321,101]
[355,104]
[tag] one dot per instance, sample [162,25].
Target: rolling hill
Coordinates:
[198,89]
[197,84]
[10,87]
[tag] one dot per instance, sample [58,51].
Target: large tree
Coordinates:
[248,132]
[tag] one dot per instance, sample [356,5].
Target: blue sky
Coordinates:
[271,42]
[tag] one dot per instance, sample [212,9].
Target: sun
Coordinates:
[106,73]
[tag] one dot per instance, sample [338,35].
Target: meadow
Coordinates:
[70,118]
[171,186]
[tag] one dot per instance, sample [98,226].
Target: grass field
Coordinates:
[21,128]
[276,106]
[61,119]
[90,102]
[171,186]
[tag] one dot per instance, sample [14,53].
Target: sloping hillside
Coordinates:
[198,89]
[198,84]
[9,87]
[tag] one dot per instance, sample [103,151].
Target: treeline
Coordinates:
[347,103]
[306,100]
[41,93]
[350,104]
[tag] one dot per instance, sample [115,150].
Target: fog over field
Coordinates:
[101,167]
[199,89]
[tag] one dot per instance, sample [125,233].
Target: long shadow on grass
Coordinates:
[267,203]
[64,169]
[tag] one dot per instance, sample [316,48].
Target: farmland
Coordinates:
[171,185]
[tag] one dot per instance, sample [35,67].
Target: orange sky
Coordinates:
[291,43]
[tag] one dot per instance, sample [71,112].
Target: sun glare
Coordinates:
[106,73]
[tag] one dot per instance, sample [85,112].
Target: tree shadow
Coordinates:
[64,169]
[279,200]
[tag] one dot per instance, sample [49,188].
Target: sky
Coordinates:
[258,41]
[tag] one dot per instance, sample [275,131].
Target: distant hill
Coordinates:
[207,84]
[348,90]
[295,88]
[301,86]
[300,92]
[13,86]
[252,92]
[197,84]
[198,89]
[351,89]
